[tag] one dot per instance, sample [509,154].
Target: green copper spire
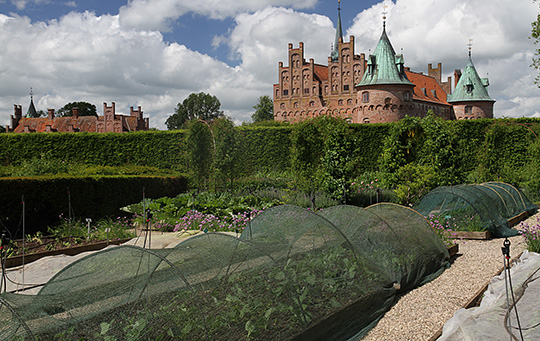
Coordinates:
[31,113]
[339,34]
[384,66]
[470,86]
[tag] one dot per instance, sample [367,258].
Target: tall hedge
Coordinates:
[162,149]
[91,197]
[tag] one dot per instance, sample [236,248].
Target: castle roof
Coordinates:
[31,109]
[384,66]
[70,124]
[470,86]
[427,88]
[57,124]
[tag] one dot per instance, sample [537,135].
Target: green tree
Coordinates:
[264,110]
[2,129]
[201,106]
[85,109]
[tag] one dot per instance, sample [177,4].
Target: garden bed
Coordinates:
[453,250]
[483,235]
[64,248]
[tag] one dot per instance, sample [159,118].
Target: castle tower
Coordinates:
[385,93]
[470,98]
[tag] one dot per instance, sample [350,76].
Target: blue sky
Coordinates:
[154,53]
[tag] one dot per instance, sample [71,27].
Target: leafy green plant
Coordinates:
[413,181]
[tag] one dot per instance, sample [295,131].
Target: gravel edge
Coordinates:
[422,312]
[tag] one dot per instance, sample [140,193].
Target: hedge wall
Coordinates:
[162,149]
[91,197]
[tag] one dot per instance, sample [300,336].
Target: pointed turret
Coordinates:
[384,94]
[470,98]
[339,35]
[384,66]
[470,86]
[31,113]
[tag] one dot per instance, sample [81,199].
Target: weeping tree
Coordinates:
[200,149]
[226,149]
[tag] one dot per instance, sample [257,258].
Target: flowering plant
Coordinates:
[531,233]
[443,228]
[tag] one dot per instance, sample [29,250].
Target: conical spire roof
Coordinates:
[339,34]
[31,113]
[384,66]
[470,86]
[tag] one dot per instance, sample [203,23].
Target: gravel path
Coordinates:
[419,314]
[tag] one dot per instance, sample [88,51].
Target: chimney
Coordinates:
[50,114]
[457,76]
[18,111]
[75,112]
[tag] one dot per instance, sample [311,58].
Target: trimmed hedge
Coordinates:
[46,198]
[162,149]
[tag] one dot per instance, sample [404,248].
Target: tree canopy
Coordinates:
[196,106]
[264,110]
[85,109]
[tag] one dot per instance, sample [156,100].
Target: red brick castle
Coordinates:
[374,90]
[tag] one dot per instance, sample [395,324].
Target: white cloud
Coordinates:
[439,31]
[92,58]
[85,57]
[158,14]
[21,4]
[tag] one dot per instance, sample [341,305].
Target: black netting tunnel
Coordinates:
[491,205]
[291,274]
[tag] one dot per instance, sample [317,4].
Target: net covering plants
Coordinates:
[291,274]
[482,207]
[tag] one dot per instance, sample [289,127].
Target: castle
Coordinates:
[110,122]
[378,89]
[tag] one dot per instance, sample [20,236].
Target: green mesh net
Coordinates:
[488,206]
[292,273]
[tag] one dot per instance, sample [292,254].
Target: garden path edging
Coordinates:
[71,251]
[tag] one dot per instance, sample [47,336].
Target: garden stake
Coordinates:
[89,220]
[508,282]
[24,238]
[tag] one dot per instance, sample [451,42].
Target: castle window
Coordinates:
[387,101]
[365,96]
[346,87]
[468,109]
[366,120]
[312,104]
[296,104]
[340,102]
[314,90]
[349,101]
[282,106]
[407,96]
[285,92]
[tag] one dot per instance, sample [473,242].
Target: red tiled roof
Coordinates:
[321,72]
[433,90]
[58,124]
